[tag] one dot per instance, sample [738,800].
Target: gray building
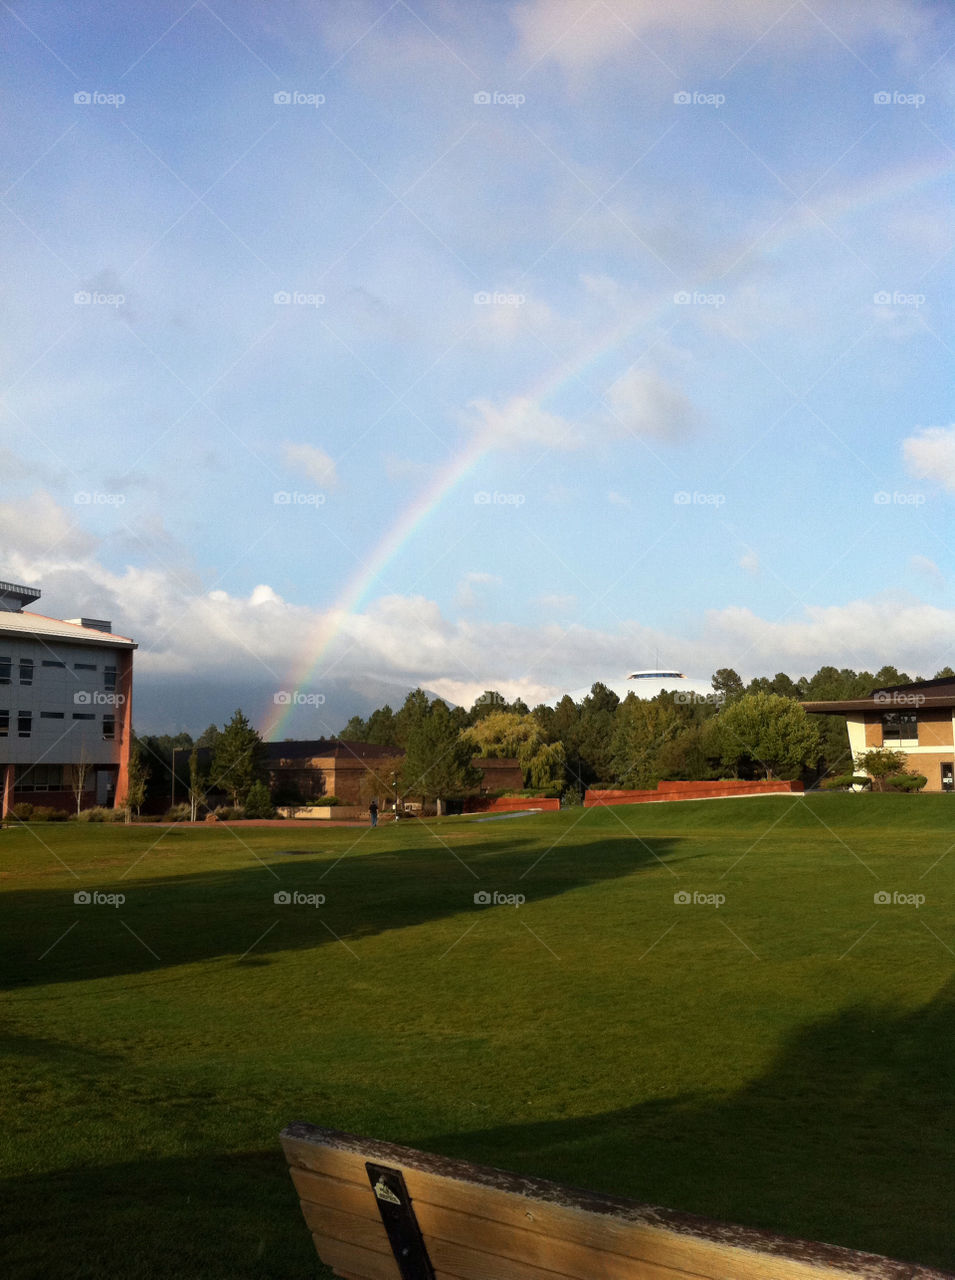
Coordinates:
[65,706]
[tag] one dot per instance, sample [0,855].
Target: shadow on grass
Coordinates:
[235,915]
[847,1138]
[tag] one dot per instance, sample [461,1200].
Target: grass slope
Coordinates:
[782,1060]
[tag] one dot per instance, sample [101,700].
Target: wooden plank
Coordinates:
[349,1259]
[348,1228]
[498,1202]
[317,1188]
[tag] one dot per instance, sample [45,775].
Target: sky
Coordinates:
[516,345]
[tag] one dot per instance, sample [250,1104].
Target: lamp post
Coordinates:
[394,783]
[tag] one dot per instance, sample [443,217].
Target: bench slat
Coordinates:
[472,1217]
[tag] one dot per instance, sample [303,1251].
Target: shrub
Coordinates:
[22,811]
[97,814]
[178,813]
[46,813]
[229,813]
[326,801]
[906,781]
[573,797]
[845,781]
[258,803]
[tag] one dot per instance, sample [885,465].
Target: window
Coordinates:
[84,666]
[899,727]
[109,727]
[4,724]
[6,665]
[109,679]
[26,670]
[38,777]
[51,715]
[51,662]
[24,723]
[84,715]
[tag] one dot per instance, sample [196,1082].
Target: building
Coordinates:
[65,706]
[331,767]
[916,718]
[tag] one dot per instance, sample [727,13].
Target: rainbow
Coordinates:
[608,342]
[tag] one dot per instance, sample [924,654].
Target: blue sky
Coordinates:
[709,398]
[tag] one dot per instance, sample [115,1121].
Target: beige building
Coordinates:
[917,718]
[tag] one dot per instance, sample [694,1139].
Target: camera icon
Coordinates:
[881,898]
[482,299]
[482,898]
[681,98]
[482,499]
[82,898]
[282,98]
[281,299]
[882,499]
[882,298]
[882,698]
[282,499]
[880,99]
[82,298]
[82,99]
[682,499]
[82,698]
[482,98]
[282,898]
[681,298]
[82,499]
[682,898]
[282,698]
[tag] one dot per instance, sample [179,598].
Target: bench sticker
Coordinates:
[385,1193]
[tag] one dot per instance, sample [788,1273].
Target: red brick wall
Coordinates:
[692,791]
[509,804]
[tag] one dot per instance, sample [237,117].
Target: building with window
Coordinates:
[917,718]
[65,706]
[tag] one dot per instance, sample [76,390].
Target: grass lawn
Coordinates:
[782,1060]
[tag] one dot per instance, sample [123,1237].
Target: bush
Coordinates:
[258,803]
[22,811]
[178,813]
[46,813]
[98,814]
[906,781]
[229,813]
[573,797]
[845,781]
[326,801]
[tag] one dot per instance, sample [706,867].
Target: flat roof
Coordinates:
[887,702]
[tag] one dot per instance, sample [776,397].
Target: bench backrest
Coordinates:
[472,1223]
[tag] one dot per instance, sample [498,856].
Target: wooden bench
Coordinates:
[382,1212]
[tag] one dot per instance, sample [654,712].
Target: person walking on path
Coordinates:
[373,810]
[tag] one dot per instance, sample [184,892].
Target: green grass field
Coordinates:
[782,1060]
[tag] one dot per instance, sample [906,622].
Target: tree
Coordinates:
[136,778]
[642,729]
[765,730]
[490,700]
[80,773]
[238,758]
[381,729]
[258,803]
[727,684]
[414,709]
[197,786]
[355,731]
[881,764]
[437,761]
[208,736]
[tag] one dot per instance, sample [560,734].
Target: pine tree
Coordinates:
[238,758]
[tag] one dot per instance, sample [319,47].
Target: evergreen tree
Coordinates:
[238,759]
[258,803]
[137,777]
[437,763]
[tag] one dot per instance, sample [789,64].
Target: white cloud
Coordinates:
[521,421]
[644,405]
[557,603]
[927,569]
[466,597]
[750,562]
[314,463]
[930,455]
